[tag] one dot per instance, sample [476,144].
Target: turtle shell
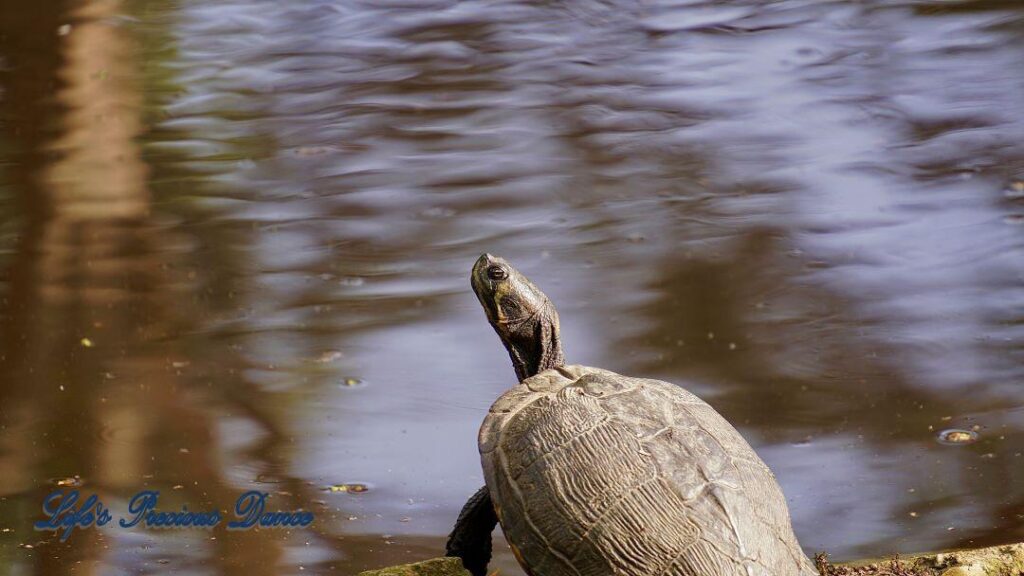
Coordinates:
[593,473]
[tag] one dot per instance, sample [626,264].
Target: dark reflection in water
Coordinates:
[235,239]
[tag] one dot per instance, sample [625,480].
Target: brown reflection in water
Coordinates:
[91,383]
[771,344]
[99,176]
[73,263]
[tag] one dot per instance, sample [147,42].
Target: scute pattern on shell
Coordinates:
[593,473]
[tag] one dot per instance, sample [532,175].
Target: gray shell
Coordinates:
[594,474]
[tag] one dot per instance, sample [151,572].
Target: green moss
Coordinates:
[433,567]
[995,561]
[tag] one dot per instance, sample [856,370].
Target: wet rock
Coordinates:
[433,567]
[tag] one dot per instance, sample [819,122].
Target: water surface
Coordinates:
[235,239]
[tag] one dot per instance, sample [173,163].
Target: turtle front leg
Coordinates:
[470,540]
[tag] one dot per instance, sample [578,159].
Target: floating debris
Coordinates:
[957,437]
[329,356]
[350,488]
[312,150]
[438,212]
[1015,189]
[805,441]
[86,342]
[350,382]
[70,482]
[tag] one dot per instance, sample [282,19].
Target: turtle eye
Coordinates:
[496,273]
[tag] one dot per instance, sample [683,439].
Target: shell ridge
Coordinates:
[517,493]
[723,553]
[682,554]
[708,490]
[581,483]
[656,536]
[572,487]
[558,447]
[657,433]
[741,545]
[611,508]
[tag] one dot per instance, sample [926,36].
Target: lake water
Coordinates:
[235,242]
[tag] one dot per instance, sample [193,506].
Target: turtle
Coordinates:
[592,473]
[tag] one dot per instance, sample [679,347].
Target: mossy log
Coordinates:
[1005,560]
[995,561]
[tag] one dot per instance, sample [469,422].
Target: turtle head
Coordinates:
[522,315]
[508,297]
